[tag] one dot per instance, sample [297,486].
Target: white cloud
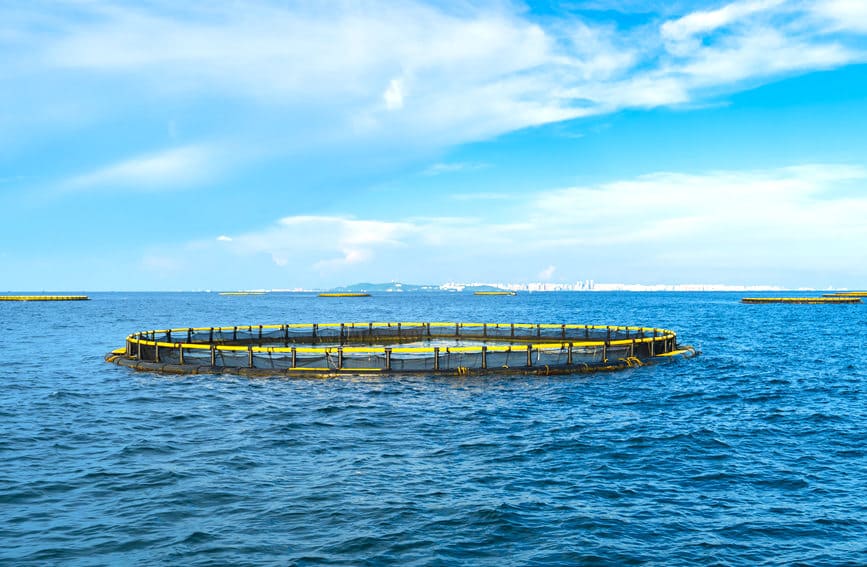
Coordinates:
[547,273]
[842,15]
[172,168]
[703,22]
[393,95]
[224,238]
[335,74]
[665,226]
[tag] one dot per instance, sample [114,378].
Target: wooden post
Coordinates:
[294,359]
[388,358]
[569,355]
[339,357]
[180,354]
[213,355]
[484,357]
[529,355]
[436,358]
[250,356]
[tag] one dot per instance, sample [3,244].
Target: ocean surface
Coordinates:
[752,453]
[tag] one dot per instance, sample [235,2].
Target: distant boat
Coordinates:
[495,293]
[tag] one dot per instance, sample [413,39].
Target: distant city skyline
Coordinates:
[267,145]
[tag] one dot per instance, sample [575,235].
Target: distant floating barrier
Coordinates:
[331,349]
[44,298]
[495,293]
[834,299]
[242,293]
[332,294]
[847,294]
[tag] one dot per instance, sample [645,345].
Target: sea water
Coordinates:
[751,453]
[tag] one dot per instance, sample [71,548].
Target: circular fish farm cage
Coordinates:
[333,349]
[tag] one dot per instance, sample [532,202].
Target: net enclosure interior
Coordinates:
[327,349]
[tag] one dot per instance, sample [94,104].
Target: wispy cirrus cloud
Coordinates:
[176,167]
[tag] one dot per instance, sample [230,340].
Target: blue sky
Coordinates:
[225,145]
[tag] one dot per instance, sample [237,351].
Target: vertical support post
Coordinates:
[529,355]
[138,349]
[234,333]
[169,336]
[388,358]
[189,335]
[250,356]
[342,333]
[370,332]
[436,358]
[563,332]
[339,357]
[398,330]
[632,348]
[213,355]
[427,326]
[457,329]
[484,329]
[211,336]
[605,351]
[484,357]
[294,358]
[180,354]
[315,330]
[156,352]
[538,330]
[513,330]
[569,355]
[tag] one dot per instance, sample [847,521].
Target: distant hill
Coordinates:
[473,288]
[385,287]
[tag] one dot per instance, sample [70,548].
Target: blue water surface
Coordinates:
[752,453]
